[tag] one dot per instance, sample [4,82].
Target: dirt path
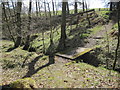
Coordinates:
[92,40]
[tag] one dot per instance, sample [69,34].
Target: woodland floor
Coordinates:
[99,35]
[63,74]
[91,42]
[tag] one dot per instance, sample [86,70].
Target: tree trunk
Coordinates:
[9,9]
[6,20]
[51,33]
[68,9]
[39,7]
[61,45]
[53,5]
[89,23]
[10,15]
[75,6]
[51,49]
[83,5]
[27,44]
[111,4]
[49,10]
[36,8]
[56,7]
[118,44]
[111,8]
[13,6]
[19,37]
[43,41]
[45,8]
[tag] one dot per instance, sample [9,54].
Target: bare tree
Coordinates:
[6,20]
[61,45]
[11,15]
[118,43]
[68,11]
[49,9]
[45,8]
[39,6]
[87,14]
[19,36]
[111,4]
[56,7]
[51,48]
[75,6]
[53,5]
[13,6]
[9,9]
[83,5]
[27,44]
[36,8]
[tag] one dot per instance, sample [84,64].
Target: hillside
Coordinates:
[65,73]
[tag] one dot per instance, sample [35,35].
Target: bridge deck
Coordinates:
[73,54]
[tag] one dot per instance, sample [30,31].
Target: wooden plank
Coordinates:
[82,53]
[74,53]
[71,15]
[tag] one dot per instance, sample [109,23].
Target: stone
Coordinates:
[26,83]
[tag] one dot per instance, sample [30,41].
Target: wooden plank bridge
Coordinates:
[73,54]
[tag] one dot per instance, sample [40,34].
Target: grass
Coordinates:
[104,14]
[59,12]
[104,54]
[24,83]
[115,27]
[38,43]
[95,29]
[64,73]
[101,9]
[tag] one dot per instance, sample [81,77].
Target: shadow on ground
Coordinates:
[79,37]
[11,49]
[31,66]
[117,69]
[89,59]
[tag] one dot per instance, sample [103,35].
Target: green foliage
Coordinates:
[115,27]
[67,64]
[9,64]
[95,29]
[84,35]
[62,74]
[104,14]
[24,83]
[44,58]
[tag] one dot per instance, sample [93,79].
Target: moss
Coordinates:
[95,29]
[69,63]
[115,27]
[44,57]
[24,83]
[85,35]
[50,78]
[81,53]
[51,49]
